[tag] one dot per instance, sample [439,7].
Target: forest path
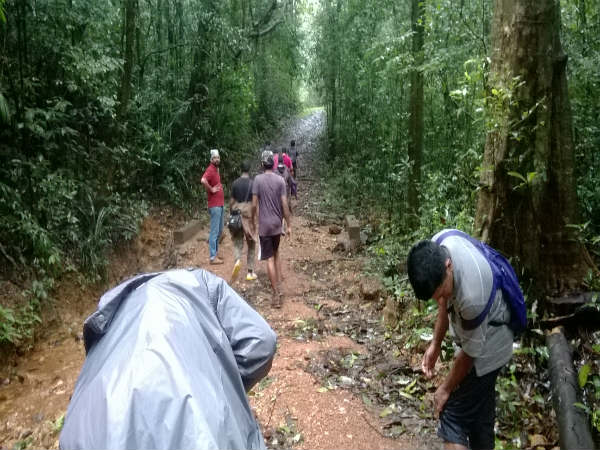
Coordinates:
[295,405]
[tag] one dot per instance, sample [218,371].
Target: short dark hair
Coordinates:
[292,143]
[245,166]
[268,165]
[426,267]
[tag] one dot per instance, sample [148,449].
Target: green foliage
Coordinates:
[581,39]
[78,169]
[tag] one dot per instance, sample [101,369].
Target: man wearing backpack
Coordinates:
[468,287]
[241,202]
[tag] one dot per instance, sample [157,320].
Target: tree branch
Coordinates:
[270,28]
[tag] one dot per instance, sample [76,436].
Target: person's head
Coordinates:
[292,143]
[429,270]
[284,150]
[245,166]
[267,145]
[267,159]
[215,159]
[280,167]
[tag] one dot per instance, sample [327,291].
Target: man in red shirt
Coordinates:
[211,180]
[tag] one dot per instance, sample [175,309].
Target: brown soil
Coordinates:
[291,404]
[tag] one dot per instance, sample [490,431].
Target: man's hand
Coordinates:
[439,400]
[288,231]
[215,189]
[429,359]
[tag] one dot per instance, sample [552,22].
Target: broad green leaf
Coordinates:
[583,374]
[517,175]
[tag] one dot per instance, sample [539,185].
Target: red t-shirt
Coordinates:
[211,175]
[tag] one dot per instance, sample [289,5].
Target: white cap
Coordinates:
[214,152]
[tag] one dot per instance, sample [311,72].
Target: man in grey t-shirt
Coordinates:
[269,199]
[458,277]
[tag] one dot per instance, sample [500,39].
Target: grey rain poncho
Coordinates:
[170,357]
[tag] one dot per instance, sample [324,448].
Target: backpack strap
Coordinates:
[471,324]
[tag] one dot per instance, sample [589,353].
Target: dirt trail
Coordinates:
[293,406]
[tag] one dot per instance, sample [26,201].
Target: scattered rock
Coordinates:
[370,288]
[335,229]
[25,434]
[352,292]
[390,313]
[344,243]
[537,440]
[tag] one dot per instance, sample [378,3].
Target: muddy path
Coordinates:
[322,392]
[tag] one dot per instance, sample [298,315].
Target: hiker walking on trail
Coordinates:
[454,271]
[294,155]
[241,201]
[211,180]
[269,200]
[284,173]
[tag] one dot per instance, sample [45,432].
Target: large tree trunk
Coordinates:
[527,197]
[415,131]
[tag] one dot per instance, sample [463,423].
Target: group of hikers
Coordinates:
[264,200]
[183,386]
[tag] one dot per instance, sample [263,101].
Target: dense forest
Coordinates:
[436,116]
[108,108]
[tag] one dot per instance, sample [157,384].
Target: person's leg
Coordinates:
[251,246]
[455,418]
[238,244]
[220,225]
[467,420]
[268,249]
[452,446]
[481,436]
[214,231]
[278,267]
[272,272]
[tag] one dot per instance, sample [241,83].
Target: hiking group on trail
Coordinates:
[201,346]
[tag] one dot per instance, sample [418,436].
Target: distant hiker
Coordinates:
[269,200]
[286,159]
[294,155]
[452,270]
[169,359]
[241,200]
[211,180]
[266,147]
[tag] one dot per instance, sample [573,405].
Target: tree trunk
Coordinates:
[125,90]
[159,31]
[415,128]
[527,197]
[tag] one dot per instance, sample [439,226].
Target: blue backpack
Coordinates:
[504,278]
